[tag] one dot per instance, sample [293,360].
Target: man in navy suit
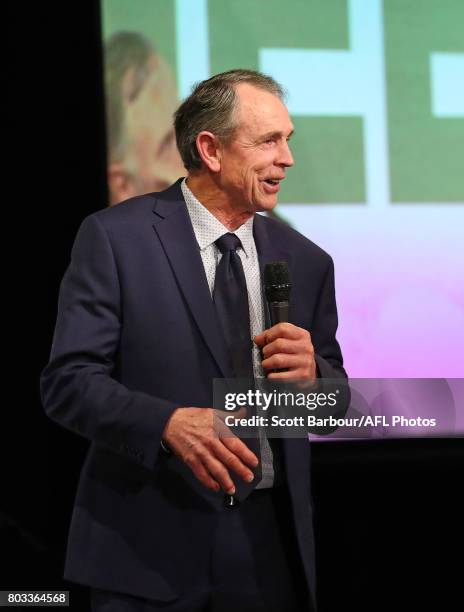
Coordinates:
[138,341]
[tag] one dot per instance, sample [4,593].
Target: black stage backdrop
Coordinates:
[388,513]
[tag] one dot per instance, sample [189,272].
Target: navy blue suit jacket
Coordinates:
[136,337]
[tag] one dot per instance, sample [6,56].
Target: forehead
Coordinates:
[260,111]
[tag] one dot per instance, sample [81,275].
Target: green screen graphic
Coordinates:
[376,89]
[314,24]
[426,152]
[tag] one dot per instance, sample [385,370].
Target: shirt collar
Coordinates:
[208,229]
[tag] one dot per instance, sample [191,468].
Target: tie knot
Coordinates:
[228,242]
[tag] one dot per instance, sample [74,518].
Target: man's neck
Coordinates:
[208,193]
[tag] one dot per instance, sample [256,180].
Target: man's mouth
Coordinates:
[273,181]
[272,185]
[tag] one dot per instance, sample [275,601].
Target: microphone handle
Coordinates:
[278,312]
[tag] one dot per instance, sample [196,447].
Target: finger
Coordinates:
[219,472]
[260,339]
[284,375]
[280,330]
[202,474]
[221,430]
[282,345]
[297,375]
[282,361]
[231,461]
[241,450]
[231,441]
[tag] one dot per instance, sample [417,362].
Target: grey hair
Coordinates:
[123,51]
[211,107]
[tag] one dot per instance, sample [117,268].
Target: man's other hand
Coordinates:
[287,347]
[192,434]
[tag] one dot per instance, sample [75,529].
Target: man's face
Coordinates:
[152,160]
[254,162]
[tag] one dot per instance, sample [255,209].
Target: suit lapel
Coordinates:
[175,232]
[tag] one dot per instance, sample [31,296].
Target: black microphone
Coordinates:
[277,287]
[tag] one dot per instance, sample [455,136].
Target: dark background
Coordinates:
[388,514]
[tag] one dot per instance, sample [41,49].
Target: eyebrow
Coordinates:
[275,134]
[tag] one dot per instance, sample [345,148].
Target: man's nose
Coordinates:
[285,155]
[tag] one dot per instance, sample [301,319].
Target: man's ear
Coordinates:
[120,183]
[209,149]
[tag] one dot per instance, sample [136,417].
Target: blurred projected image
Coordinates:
[141,97]
[378,182]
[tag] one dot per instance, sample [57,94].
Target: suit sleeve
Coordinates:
[329,358]
[77,387]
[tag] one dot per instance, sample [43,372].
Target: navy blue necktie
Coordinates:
[230,298]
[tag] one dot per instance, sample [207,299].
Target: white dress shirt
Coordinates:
[207,230]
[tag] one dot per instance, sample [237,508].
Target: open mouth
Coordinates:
[271,185]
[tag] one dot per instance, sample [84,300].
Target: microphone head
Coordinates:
[277,285]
